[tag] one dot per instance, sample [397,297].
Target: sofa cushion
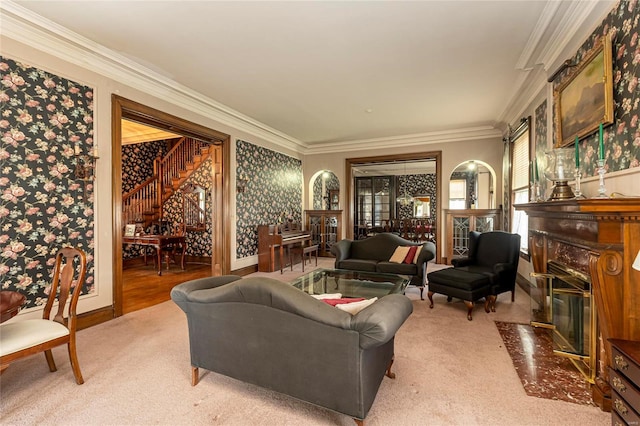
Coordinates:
[357,265]
[411,255]
[417,255]
[399,254]
[354,308]
[397,268]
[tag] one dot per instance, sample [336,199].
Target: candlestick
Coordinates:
[577,152]
[601,172]
[535,168]
[601,138]
[578,192]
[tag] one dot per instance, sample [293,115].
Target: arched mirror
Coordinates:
[326,191]
[471,186]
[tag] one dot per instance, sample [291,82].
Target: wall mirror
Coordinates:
[326,191]
[471,186]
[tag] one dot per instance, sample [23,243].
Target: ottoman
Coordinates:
[461,284]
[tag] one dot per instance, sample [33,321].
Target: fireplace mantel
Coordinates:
[599,237]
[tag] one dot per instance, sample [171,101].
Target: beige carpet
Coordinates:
[136,368]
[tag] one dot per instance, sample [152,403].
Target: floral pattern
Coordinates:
[622,139]
[417,184]
[46,120]
[273,193]
[137,162]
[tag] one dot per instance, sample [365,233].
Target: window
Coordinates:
[520,181]
[458,194]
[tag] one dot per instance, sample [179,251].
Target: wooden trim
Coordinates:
[415,156]
[246,270]
[125,108]
[95,317]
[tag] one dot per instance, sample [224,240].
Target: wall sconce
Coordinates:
[86,164]
[241,184]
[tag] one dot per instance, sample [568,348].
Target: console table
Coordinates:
[159,243]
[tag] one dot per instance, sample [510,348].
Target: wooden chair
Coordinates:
[20,339]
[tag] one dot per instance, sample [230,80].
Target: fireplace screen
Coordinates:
[564,304]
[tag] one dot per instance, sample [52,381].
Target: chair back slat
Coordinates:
[68,279]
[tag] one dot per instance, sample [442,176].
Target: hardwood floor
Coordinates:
[142,287]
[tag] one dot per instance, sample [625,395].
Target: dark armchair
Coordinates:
[489,270]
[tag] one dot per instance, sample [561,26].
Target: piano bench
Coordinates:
[309,250]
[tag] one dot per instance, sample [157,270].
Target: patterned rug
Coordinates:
[543,374]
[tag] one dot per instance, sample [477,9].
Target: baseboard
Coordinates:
[523,283]
[245,271]
[98,316]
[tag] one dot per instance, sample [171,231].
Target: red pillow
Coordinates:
[334,302]
[410,255]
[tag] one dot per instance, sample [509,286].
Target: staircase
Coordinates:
[144,203]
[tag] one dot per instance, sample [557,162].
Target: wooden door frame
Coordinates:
[125,108]
[417,156]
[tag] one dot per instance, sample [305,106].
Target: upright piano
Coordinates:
[272,240]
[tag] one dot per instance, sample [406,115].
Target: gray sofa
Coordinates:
[372,255]
[266,332]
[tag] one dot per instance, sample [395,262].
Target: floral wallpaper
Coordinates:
[331,183]
[622,139]
[137,162]
[43,207]
[541,146]
[416,184]
[273,193]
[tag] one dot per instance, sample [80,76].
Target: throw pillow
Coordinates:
[341,301]
[415,258]
[327,296]
[411,255]
[400,254]
[354,308]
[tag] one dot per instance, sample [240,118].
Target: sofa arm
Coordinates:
[180,293]
[378,323]
[341,250]
[427,253]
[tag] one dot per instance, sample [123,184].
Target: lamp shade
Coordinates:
[636,263]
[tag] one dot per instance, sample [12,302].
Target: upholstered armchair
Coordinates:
[489,270]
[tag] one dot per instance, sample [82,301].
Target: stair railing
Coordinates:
[140,201]
[175,161]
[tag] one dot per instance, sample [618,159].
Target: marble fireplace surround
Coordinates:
[599,237]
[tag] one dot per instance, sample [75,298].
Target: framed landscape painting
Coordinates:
[585,99]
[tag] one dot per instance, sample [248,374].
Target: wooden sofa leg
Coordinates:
[513,295]
[388,373]
[359,422]
[492,303]
[195,376]
[469,309]
[430,296]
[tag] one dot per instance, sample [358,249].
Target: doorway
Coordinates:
[125,109]
[402,159]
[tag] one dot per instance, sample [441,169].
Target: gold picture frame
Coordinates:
[585,99]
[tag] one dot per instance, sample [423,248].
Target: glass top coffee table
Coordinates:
[351,283]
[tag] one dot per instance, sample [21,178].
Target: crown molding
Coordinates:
[537,34]
[458,135]
[574,22]
[42,34]
[529,87]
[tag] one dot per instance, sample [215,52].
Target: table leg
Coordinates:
[159,251]
[184,249]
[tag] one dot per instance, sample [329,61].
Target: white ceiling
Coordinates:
[322,72]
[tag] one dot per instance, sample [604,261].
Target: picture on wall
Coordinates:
[585,99]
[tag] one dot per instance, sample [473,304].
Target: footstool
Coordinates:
[461,284]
